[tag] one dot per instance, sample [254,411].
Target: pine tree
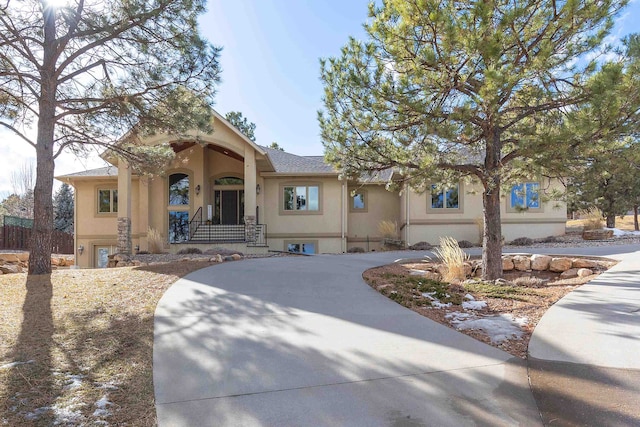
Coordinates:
[478,90]
[63,209]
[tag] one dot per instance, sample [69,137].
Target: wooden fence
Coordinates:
[17,238]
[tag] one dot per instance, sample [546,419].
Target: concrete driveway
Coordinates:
[303,341]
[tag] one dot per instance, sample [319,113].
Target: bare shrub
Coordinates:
[453,258]
[355,250]
[522,241]
[593,218]
[189,251]
[155,242]
[531,282]
[465,244]
[388,229]
[480,224]
[421,246]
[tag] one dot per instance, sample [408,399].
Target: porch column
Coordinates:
[124,207]
[250,182]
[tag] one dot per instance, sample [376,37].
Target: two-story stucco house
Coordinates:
[226,191]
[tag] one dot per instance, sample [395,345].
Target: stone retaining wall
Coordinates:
[18,262]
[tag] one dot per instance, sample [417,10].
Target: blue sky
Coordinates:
[270,69]
[271,65]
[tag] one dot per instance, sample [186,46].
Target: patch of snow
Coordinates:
[619,233]
[474,305]
[73,381]
[499,328]
[68,415]
[417,272]
[438,304]
[110,385]
[14,364]
[429,295]
[102,410]
[469,297]
[37,413]
[458,316]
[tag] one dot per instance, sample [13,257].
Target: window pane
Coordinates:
[452,198]
[179,189]
[437,197]
[517,196]
[308,248]
[288,198]
[217,208]
[178,226]
[293,247]
[301,198]
[228,180]
[533,195]
[115,201]
[104,200]
[358,201]
[314,198]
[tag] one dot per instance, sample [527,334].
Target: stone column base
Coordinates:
[124,235]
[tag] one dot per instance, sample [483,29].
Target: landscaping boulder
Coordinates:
[521,263]
[507,264]
[236,257]
[584,272]
[569,274]
[216,258]
[10,268]
[597,234]
[559,265]
[583,263]
[540,262]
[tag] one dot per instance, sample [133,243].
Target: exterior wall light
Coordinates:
[258,189]
[80,249]
[197,189]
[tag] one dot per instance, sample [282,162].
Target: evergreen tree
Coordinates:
[242,124]
[63,209]
[479,90]
[87,73]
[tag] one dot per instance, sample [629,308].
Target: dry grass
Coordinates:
[388,229]
[94,326]
[453,258]
[623,223]
[593,218]
[155,241]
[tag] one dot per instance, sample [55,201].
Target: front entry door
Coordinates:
[229,206]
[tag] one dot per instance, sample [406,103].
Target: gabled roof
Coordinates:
[105,172]
[284,162]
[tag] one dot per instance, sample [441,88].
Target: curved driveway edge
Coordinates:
[298,341]
[583,355]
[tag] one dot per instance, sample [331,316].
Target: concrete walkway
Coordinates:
[303,341]
[584,355]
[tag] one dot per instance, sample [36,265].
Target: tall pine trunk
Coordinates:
[40,245]
[492,243]
[611,221]
[635,218]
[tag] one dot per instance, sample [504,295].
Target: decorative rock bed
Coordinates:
[18,262]
[566,267]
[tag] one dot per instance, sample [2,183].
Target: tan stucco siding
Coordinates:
[326,220]
[380,205]
[463,224]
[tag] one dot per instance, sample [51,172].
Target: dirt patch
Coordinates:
[518,302]
[76,346]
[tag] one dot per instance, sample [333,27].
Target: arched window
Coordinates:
[178,189]
[228,180]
